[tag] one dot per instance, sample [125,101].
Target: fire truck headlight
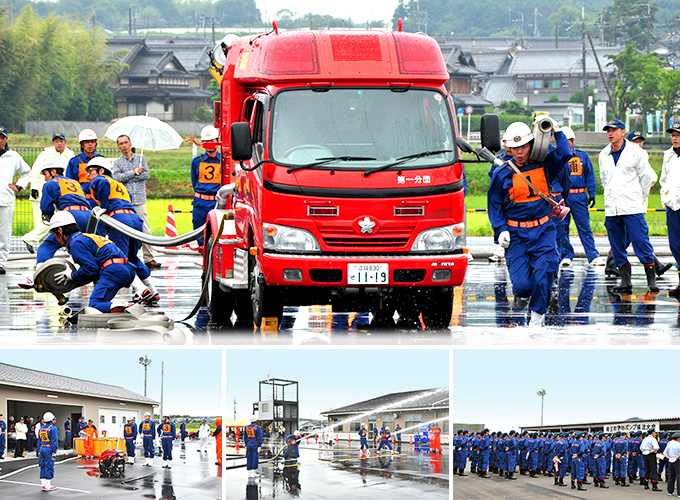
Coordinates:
[440,239]
[279,238]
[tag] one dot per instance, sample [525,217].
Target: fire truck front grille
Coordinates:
[391,236]
[363,242]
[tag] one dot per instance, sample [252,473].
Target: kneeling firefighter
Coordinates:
[100,261]
[520,212]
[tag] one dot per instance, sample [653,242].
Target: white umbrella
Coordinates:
[145,132]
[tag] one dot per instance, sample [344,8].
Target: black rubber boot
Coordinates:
[660,268]
[573,484]
[580,486]
[625,285]
[557,480]
[461,472]
[610,269]
[602,484]
[511,475]
[655,487]
[585,480]
[623,482]
[562,482]
[675,292]
[651,279]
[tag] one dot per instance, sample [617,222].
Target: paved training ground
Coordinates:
[584,312]
[193,476]
[338,473]
[475,488]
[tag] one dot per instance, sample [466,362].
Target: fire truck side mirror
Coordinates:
[491,132]
[241,143]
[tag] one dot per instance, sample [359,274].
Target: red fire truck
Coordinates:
[341,172]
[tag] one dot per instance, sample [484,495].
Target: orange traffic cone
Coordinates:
[171,226]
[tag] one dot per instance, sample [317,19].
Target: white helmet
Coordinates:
[52,164]
[296,433]
[87,134]
[147,414]
[387,427]
[517,134]
[62,218]
[209,133]
[568,132]
[99,162]
[49,416]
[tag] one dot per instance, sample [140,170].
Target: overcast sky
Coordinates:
[498,387]
[192,377]
[334,377]
[357,10]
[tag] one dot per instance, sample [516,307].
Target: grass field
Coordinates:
[170,184]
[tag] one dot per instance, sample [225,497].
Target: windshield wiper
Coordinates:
[329,159]
[404,159]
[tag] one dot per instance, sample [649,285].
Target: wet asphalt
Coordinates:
[193,476]
[339,472]
[584,311]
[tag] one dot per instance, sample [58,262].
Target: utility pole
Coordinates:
[162,369]
[234,408]
[145,362]
[585,76]
[130,20]
[542,393]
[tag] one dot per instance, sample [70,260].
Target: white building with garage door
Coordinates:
[25,392]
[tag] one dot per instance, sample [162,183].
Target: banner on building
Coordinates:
[600,115]
[637,425]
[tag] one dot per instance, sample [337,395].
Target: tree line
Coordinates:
[53,68]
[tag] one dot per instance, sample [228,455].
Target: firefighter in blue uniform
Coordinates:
[532,449]
[385,437]
[113,197]
[636,463]
[67,433]
[100,260]
[560,450]
[522,448]
[253,440]
[148,431]
[397,431]
[3,437]
[292,443]
[48,441]
[581,198]
[167,433]
[577,450]
[620,452]
[663,462]
[521,219]
[76,168]
[484,449]
[61,193]
[363,441]
[183,430]
[511,450]
[206,178]
[80,425]
[464,448]
[599,449]
[130,434]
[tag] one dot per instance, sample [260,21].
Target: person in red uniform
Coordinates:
[90,434]
[435,440]
[218,440]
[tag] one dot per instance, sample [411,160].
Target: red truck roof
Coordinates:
[319,57]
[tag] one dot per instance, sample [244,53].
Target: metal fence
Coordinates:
[23,211]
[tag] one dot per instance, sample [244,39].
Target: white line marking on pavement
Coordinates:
[38,485]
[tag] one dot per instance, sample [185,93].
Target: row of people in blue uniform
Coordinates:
[148,429]
[554,454]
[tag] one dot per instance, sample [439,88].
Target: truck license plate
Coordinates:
[368,274]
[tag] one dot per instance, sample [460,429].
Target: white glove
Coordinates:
[504,239]
[98,212]
[63,277]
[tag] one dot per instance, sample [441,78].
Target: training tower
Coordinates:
[278,403]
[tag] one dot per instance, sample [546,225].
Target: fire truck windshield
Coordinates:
[361,129]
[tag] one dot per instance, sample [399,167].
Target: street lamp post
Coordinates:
[145,362]
[542,393]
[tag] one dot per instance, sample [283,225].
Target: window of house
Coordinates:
[411,420]
[136,80]
[166,107]
[113,419]
[102,419]
[354,426]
